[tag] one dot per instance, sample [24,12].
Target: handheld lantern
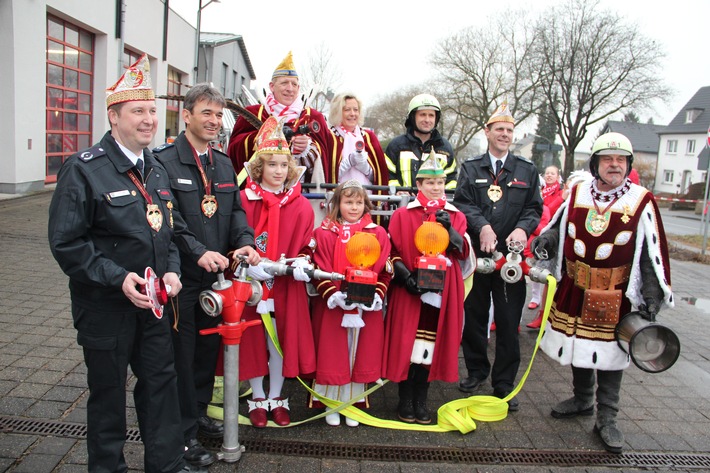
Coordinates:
[362,251]
[431,239]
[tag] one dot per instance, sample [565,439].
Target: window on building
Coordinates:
[668,176]
[690,148]
[70,73]
[129,58]
[172,116]
[672,146]
[235,86]
[223,85]
[692,114]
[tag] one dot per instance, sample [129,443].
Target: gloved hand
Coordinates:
[359,161]
[299,265]
[649,309]
[546,242]
[431,298]
[443,217]
[258,273]
[352,320]
[337,299]
[376,304]
[411,284]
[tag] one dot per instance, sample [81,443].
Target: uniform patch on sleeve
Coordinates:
[388,266]
[312,244]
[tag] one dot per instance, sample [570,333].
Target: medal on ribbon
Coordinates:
[495,193]
[209,205]
[209,202]
[154,217]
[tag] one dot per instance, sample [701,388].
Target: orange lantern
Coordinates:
[431,239]
[362,251]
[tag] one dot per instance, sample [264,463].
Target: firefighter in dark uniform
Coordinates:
[111,216]
[406,153]
[203,182]
[500,195]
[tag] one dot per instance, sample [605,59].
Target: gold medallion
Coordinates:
[209,205]
[596,223]
[495,193]
[169,205]
[154,217]
[625,218]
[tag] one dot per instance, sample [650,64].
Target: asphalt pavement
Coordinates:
[665,417]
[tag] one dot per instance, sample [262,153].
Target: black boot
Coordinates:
[421,389]
[582,403]
[609,386]
[405,408]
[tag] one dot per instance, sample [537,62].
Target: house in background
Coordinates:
[224,61]
[645,140]
[681,142]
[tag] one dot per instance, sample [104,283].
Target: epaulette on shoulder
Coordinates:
[524,159]
[220,152]
[475,158]
[163,147]
[91,153]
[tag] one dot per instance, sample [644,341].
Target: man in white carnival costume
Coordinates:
[613,259]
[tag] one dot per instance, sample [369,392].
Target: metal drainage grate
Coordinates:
[396,453]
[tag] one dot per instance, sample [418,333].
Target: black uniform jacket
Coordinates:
[520,206]
[227,229]
[98,230]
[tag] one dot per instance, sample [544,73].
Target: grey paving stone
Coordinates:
[38,463]
[54,446]
[15,406]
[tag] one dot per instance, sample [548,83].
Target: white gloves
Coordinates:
[337,299]
[376,304]
[258,273]
[352,320]
[359,162]
[431,298]
[299,265]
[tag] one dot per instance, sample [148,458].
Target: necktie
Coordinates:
[203,160]
[139,165]
[499,165]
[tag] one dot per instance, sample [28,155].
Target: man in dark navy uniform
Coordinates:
[500,195]
[112,216]
[203,182]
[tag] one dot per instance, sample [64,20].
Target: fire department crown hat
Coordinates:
[270,139]
[431,167]
[285,68]
[134,85]
[501,114]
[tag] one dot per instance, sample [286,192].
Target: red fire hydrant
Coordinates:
[229,299]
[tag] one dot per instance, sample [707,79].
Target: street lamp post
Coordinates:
[197,36]
[548,149]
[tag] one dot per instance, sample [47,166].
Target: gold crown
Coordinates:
[352,183]
[285,68]
[134,84]
[501,114]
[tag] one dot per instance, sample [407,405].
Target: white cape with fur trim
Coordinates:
[597,354]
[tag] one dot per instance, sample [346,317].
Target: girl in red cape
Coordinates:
[423,329]
[283,224]
[349,337]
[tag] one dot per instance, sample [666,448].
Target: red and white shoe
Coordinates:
[257,411]
[280,411]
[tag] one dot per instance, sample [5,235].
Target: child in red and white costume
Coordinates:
[349,337]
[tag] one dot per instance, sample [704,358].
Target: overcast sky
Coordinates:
[380,45]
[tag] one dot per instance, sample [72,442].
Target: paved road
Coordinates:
[666,417]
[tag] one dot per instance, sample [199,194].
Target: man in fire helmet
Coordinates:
[406,153]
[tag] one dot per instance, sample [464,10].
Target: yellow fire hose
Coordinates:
[459,414]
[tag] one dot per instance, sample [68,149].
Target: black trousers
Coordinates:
[112,342]
[196,357]
[508,301]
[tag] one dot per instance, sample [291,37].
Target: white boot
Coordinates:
[332,419]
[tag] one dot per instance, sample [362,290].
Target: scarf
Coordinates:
[269,218]
[345,231]
[548,190]
[279,110]
[430,206]
[350,138]
[613,194]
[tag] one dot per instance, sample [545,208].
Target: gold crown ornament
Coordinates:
[501,114]
[134,85]
[431,167]
[285,68]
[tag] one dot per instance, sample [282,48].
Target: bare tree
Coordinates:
[481,68]
[387,115]
[321,77]
[595,64]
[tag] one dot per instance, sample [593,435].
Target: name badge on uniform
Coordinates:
[481,181]
[122,193]
[184,181]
